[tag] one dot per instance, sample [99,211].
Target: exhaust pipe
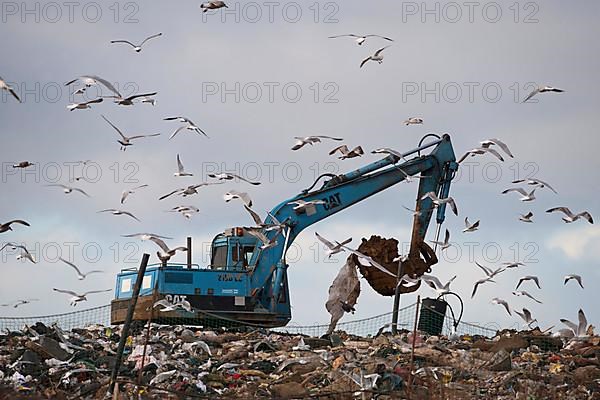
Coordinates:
[189,252]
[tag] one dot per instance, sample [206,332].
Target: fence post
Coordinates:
[396,300]
[127,324]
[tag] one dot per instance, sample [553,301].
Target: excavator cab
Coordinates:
[232,250]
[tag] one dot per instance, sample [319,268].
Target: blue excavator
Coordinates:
[246,281]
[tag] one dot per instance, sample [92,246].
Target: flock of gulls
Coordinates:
[494,147]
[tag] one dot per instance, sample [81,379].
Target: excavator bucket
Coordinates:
[384,251]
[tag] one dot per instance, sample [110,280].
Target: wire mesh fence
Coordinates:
[429,321]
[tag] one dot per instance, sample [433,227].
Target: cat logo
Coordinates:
[332,201]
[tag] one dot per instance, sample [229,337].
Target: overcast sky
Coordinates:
[258,74]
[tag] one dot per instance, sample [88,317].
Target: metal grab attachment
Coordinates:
[417,264]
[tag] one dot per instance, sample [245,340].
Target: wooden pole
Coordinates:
[127,324]
[412,352]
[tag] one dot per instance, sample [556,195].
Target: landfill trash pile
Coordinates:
[42,362]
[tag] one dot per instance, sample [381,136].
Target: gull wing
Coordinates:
[151,37]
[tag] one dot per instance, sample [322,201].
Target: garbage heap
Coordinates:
[42,362]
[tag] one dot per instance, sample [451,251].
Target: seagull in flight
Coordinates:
[83,106]
[165,254]
[303,141]
[570,216]
[19,303]
[470,227]
[537,182]
[526,217]
[368,261]
[23,164]
[490,273]
[446,243]
[580,329]
[526,196]
[437,201]
[228,177]
[234,194]
[360,39]
[479,151]
[486,144]
[346,153]
[115,211]
[129,101]
[392,152]
[436,285]
[81,276]
[481,282]
[69,189]
[146,236]
[504,303]
[212,5]
[413,121]
[136,47]
[303,205]
[333,248]
[543,89]
[526,316]
[378,56]
[126,141]
[415,213]
[529,278]
[5,86]
[76,298]
[126,193]
[508,265]
[24,252]
[188,191]
[189,125]
[4,227]
[526,294]
[574,277]
[93,80]
[186,211]
[266,242]
[168,306]
[180,170]
[275,225]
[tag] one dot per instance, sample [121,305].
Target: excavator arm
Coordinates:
[437,170]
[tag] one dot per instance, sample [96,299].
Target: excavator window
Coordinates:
[219,257]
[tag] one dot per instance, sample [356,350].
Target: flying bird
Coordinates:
[23,164]
[189,125]
[543,89]
[19,303]
[136,47]
[165,254]
[228,177]
[436,285]
[126,141]
[188,191]
[413,121]
[212,5]
[147,100]
[83,106]
[69,189]
[570,216]
[127,192]
[526,217]
[180,170]
[333,248]
[481,282]
[470,227]
[360,39]
[378,56]
[526,294]
[94,80]
[4,227]
[303,141]
[490,273]
[574,277]
[508,265]
[392,152]
[76,298]
[526,316]
[529,278]
[537,182]
[437,201]
[368,260]
[24,252]
[497,142]
[114,211]
[81,276]
[168,306]
[526,196]
[343,149]
[446,243]
[129,101]
[234,194]
[273,225]
[496,300]
[266,242]
[146,236]
[480,151]
[415,213]
[302,205]
[5,86]
[186,211]
[580,329]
